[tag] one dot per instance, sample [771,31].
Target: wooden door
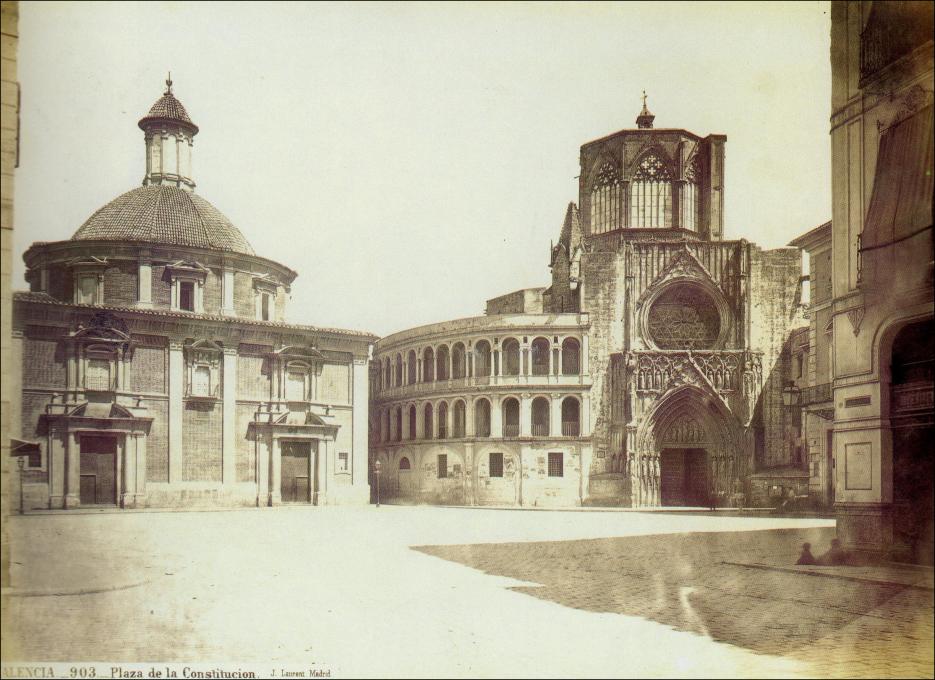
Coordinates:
[295,470]
[98,469]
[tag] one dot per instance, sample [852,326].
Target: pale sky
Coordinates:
[412,160]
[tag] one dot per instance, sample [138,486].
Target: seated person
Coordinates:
[806,557]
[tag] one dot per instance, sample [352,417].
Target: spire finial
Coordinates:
[169,83]
[645,119]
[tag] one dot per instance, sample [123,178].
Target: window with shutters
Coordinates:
[442,466]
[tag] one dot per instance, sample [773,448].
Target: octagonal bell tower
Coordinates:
[649,179]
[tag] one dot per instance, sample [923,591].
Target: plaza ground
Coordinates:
[438,592]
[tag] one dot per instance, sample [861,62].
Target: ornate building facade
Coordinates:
[651,372]
[881,245]
[157,367]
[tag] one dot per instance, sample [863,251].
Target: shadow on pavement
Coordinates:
[682,581]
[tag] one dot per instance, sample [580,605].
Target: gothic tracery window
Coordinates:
[606,199]
[684,317]
[651,194]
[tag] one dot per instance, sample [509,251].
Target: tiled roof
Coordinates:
[167,107]
[167,215]
[43,298]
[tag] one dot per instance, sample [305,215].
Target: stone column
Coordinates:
[275,472]
[555,415]
[322,474]
[176,404]
[140,485]
[227,293]
[525,415]
[119,480]
[55,454]
[144,273]
[72,471]
[469,417]
[584,361]
[229,417]
[262,470]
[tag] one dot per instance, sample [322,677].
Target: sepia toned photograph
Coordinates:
[448,340]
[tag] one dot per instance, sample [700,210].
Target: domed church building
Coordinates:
[157,366]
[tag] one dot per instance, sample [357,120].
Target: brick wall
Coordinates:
[213,293]
[333,385]
[252,378]
[201,441]
[148,370]
[157,443]
[246,448]
[162,289]
[120,284]
[43,363]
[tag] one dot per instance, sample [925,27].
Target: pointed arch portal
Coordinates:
[686,451]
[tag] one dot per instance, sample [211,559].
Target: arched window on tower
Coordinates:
[690,195]
[606,199]
[651,194]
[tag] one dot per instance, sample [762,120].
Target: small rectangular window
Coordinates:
[187,296]
[342,461]
[87,290]
[201,381]
[264,307]
[442,466]
[295,386]
[98,374]
[556,464]
[496,464]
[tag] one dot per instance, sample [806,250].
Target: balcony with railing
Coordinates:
[816,394]
[571,428]
[511,429]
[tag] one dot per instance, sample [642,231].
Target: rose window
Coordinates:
[684,318]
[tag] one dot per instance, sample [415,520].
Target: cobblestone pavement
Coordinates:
[342,590]
[838,625]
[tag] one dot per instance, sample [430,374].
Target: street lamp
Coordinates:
[790,395]
[376,471]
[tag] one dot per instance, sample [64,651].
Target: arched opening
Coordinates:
[482,418]
[443,420]
[386,426]
[571,351]
[510,411]
[651,194]
[412,422]
[510,356]
[458,363]
[458,420]
[441,363]
[399,424]
[428,365]
[404,464]
[387,374]
[481,359]
[913,423]
[540,417]
[411,368]
[689,200]
[540,356]
[428,429]
[398,370]
[571,417]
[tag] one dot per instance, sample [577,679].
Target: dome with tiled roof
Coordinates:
[168,109]
[164,215]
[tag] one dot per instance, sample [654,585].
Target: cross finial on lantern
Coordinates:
[169,83]
[644,99]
